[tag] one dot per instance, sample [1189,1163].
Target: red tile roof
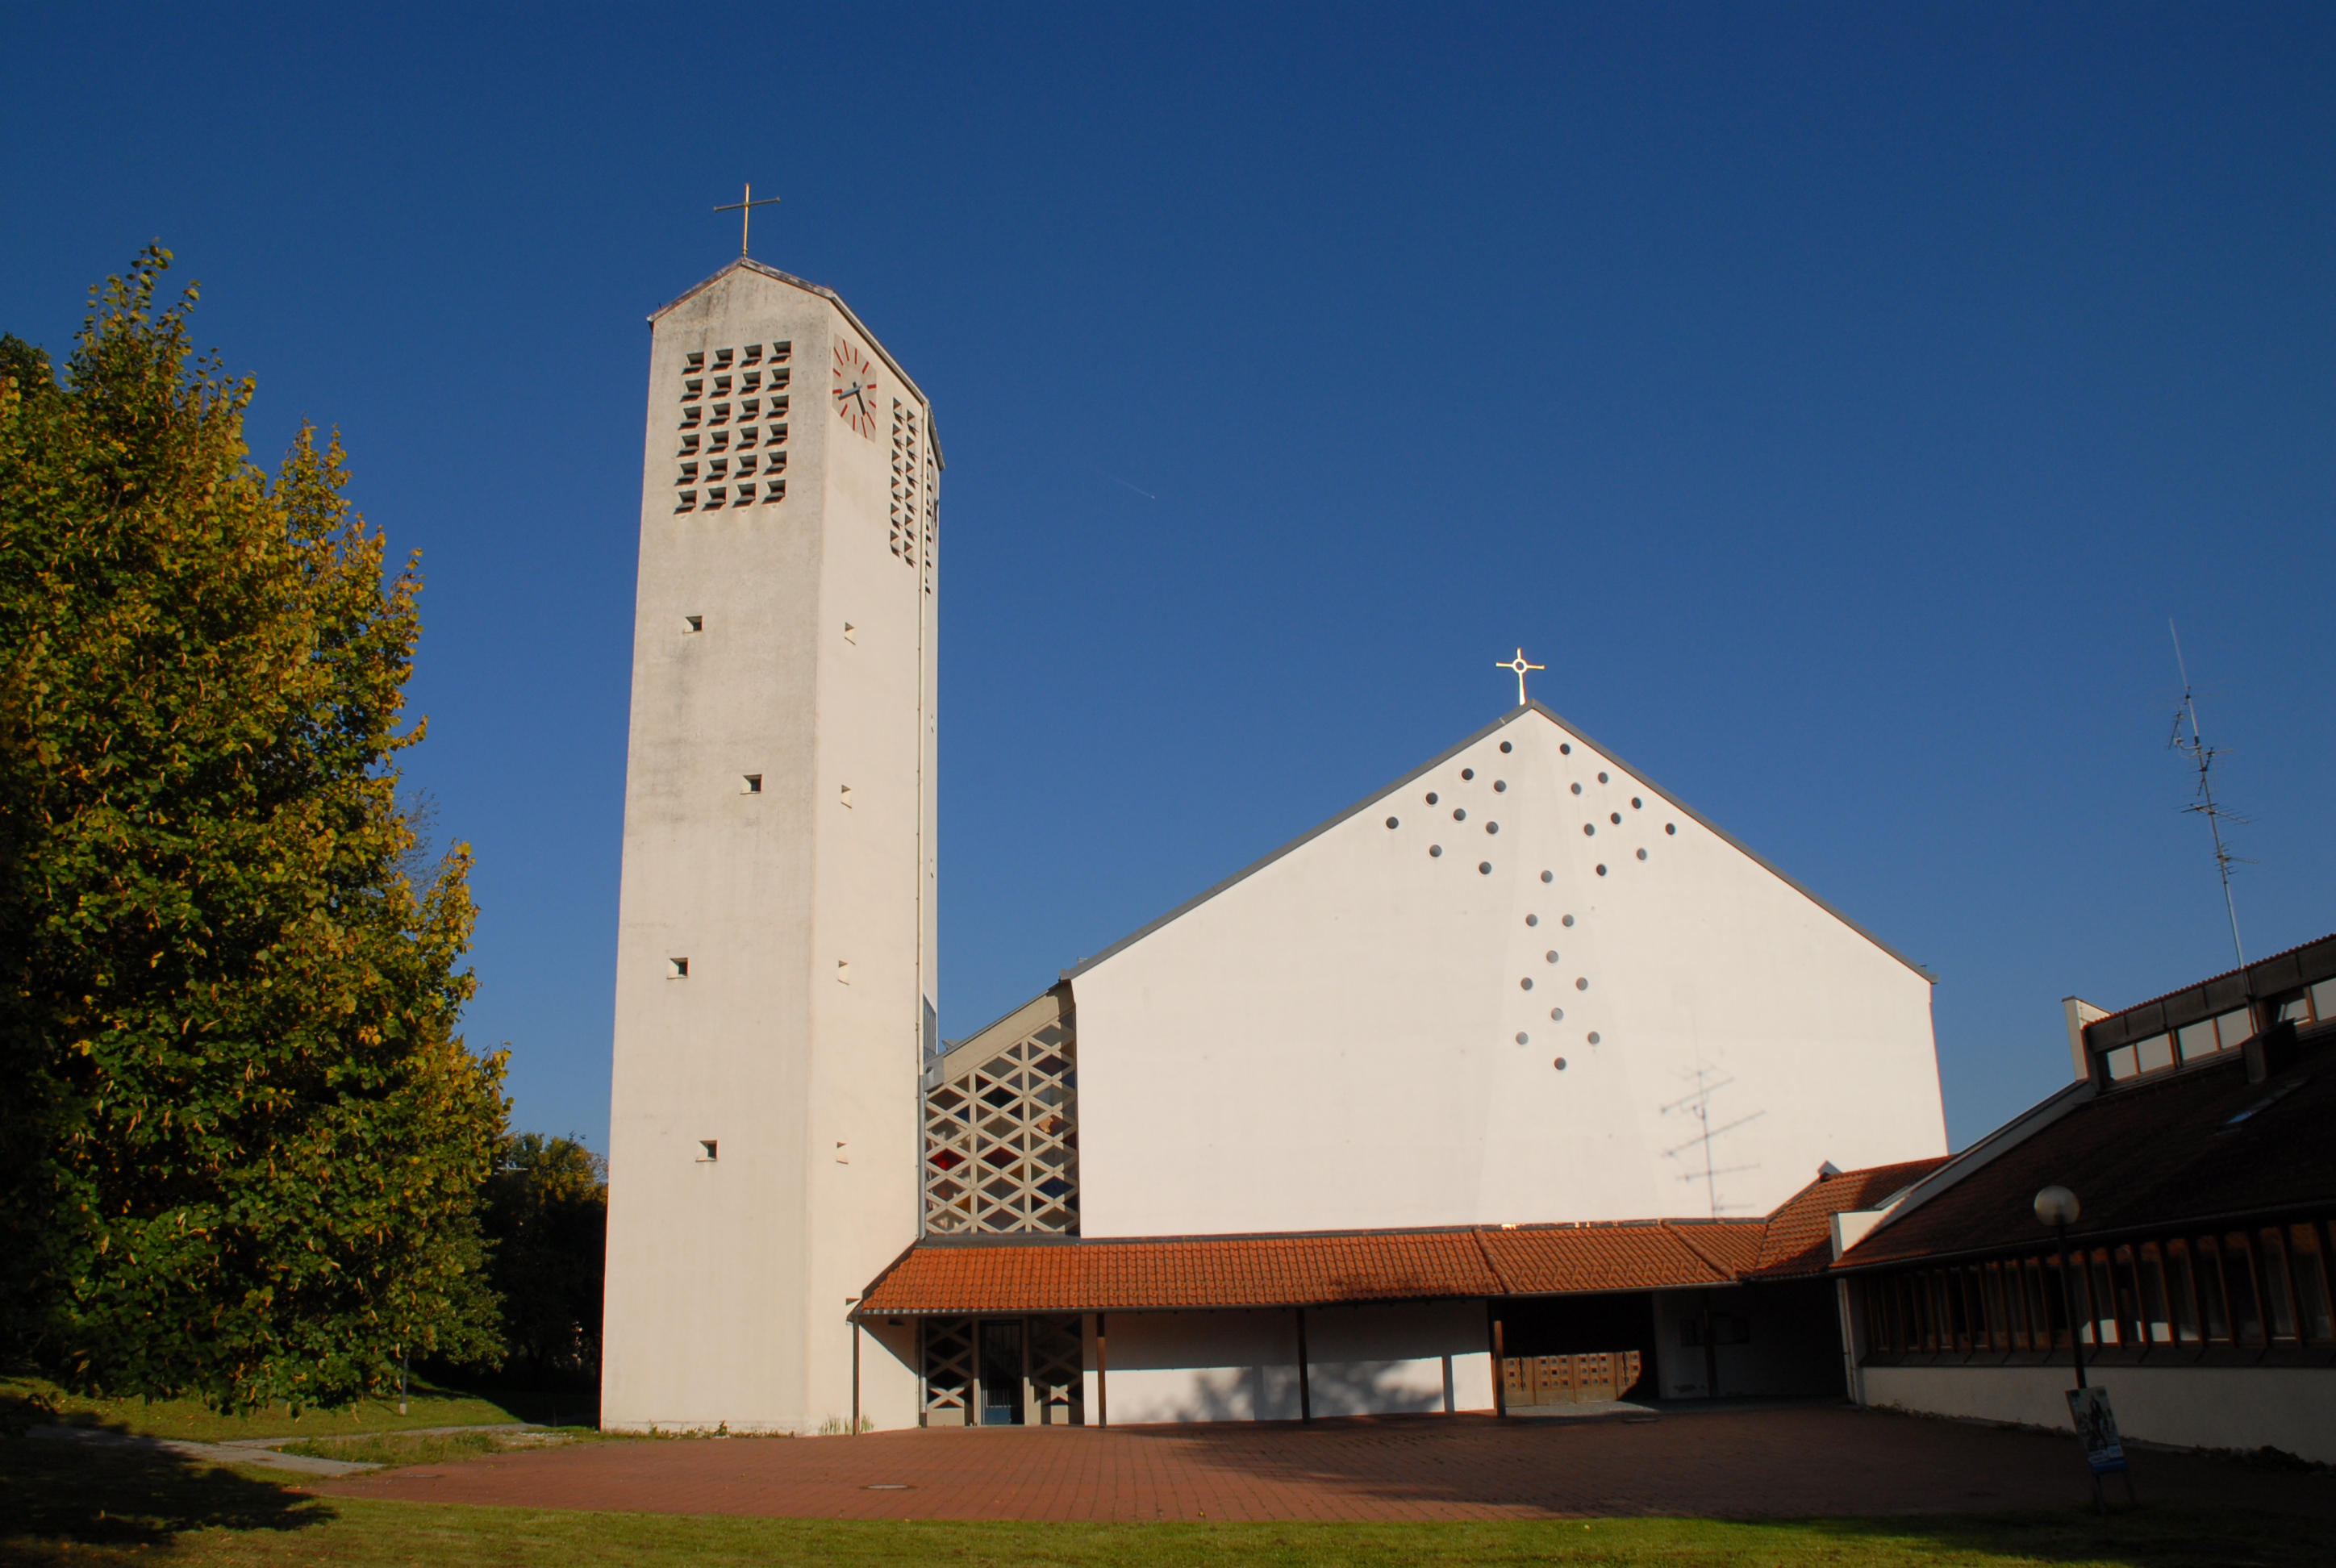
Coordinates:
[1009,1274]
[1091,1276]
[1799,1237]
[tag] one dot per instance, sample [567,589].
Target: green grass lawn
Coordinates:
[64,1505]
[29,1399]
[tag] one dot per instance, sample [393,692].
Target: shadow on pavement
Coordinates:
[55,1494]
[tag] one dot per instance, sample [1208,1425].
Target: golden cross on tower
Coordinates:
[1519,666]
[744,208]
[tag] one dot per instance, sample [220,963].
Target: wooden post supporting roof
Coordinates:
[1305,1388]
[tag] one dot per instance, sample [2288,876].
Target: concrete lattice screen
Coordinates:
[1002,1140]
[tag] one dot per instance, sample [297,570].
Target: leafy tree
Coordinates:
[241,1147]
[548,1219]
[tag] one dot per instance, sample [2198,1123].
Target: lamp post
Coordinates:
[2057,1207]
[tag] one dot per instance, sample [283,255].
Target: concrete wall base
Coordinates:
[2245,1407]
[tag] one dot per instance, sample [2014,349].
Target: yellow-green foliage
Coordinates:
[240,1144]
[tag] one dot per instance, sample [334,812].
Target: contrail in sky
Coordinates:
[1137,488]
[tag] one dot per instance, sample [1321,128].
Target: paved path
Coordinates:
[259,1451]
[240,1452]
[1808,1460]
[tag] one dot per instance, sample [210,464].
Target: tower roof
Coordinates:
[748,264]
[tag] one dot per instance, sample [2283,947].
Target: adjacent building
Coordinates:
[2196,1278]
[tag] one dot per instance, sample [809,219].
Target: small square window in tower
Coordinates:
[1001,1127]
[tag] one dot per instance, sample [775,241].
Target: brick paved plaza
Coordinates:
[1740,1463]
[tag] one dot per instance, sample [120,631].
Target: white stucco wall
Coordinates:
[805,912]
[2289,1407]
[1242,1366]
[1331,1041]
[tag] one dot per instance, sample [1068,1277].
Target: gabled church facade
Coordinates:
[1522,984]
[1519,984]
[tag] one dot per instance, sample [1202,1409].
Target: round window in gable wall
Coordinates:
[1601,871]
[1563,749]
[1431,797]
[1524,1038]
[1467,773]
[1500,786]
[1505,747]
[1560,1063]
[1601,778]
[1433,850]
[1670,827]
[1593,1036]
[1532,920]
[1549,876]
[1391,822]
[1557,1015]
[1566,922]
[1642,855]
[1485,867]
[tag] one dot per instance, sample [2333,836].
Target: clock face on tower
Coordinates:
[855,390]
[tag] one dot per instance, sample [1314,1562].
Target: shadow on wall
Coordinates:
[1235,1394]
[1382,1388]
[1270,1393]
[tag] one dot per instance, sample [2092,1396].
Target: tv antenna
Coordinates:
[2194,748]
[1698,1105]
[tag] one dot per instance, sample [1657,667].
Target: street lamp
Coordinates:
[2057,1206]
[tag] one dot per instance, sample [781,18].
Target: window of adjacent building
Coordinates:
[2278,1289]
[2157,1319]
[2239,1286]
[2308,1262]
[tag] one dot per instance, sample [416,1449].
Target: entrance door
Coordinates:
[1001,1373]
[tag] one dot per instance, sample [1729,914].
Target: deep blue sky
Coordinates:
[1838,399]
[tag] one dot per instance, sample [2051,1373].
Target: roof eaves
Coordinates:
[2246,968]
[1754,856]
[1308,836]
[1437,761]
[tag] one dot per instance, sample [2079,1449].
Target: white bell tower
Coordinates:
[775,954]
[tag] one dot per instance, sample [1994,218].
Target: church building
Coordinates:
[1511,1083]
